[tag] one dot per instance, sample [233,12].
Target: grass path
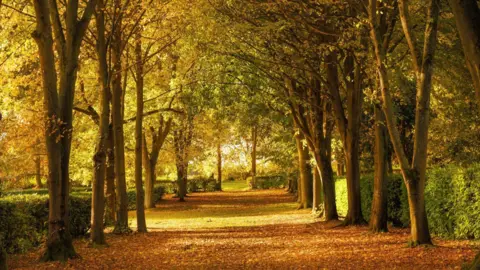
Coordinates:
[253,230]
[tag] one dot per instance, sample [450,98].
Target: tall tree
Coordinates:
[59,109]
[414,174]
[349,128]
[121,225]
[139,79]
[100,156]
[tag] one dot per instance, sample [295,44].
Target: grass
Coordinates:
[237,185]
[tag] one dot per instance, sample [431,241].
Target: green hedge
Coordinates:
[268,181]
[158,192]
[24,220]
[452,197]
[201,184]
[24,217]
[397,208]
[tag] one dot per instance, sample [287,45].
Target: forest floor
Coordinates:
[253,230]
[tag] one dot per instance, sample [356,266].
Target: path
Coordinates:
[253,230]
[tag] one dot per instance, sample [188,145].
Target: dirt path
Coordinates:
[253,230]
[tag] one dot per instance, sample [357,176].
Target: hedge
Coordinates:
[452,198]
[24,217]
[268,181]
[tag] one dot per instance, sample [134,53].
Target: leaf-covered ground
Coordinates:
[253,230]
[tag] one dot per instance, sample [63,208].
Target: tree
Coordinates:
[150,159]
[414,174]
[139,79]
[467,18]
[100,156]
[121,225]
[59,110]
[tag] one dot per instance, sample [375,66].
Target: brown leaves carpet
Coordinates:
[253,230]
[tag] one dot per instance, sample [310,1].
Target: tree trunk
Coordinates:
[58,102]
[121,225]
[467,18]
[100,157]
[378,217]
[181,181]
[254,156]
[38,172]
[149,183]
[301,169]
[340,169]
[317,190]
[218,186]
[3,259]
[111,204]
[306,177]
[140,197]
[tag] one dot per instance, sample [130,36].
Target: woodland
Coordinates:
[239,134]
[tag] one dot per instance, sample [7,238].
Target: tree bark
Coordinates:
[306,177]
[317,191]
[218,186]
[140,196]
[111,204]
[254,156]
[378,217]
[467,18]
[121,225]
[100,156]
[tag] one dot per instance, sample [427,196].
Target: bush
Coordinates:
[158,192]
[169,187]
[271,181]
[452,198]
[397,207]
[201,184]
[24,220]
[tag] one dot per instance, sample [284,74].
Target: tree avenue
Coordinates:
[113,113]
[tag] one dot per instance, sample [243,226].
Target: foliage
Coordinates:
[201,184]
[24,220]
[24,216]
[158,192]
[397,207]
[453,201]
[452,196]
[271,181]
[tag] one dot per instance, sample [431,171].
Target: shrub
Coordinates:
[24,220]
[201,184]
[452,198]
[397,207]
[271,181]
[158,192]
